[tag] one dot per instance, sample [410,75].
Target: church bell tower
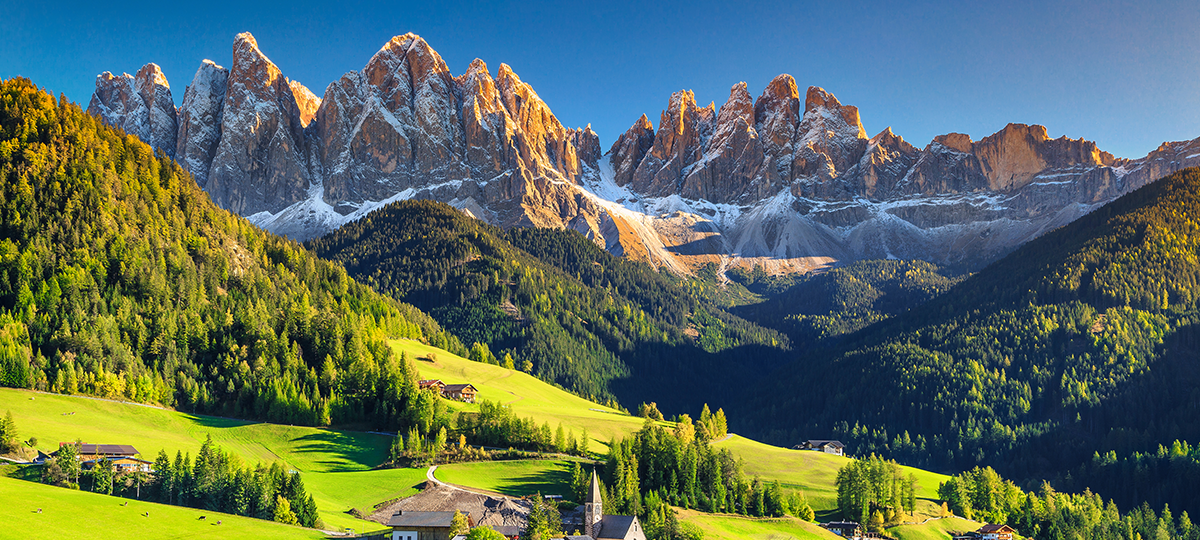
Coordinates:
[593,512]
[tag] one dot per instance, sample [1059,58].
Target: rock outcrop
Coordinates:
[139,104]
[200,120]
[772,181]
[259,164]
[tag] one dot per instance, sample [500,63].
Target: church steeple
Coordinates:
[593,511]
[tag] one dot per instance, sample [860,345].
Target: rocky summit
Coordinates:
[775,181]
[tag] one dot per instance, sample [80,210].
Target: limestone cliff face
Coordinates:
[629,149]
[683,129]
[772,181]
[139,104]
[796,188]
[200,120]
[259,164]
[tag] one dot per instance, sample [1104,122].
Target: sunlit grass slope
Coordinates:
[513,478]
[727,527]
[527,395]
[935,529]
[335,464]
[813,473]
[68,513]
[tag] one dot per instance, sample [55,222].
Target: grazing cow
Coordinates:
[201,517]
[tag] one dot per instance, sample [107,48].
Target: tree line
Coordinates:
[216,481]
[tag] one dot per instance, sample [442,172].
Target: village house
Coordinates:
[123,456]
[829,447]
[435,384]
[414,525]
[845,529]
[121,464]
[460,392]
[987,532]
[996,532]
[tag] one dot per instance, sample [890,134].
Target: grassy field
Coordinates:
[726,527]
[527,395]
[68,513]
[933,530]
[335,464]
[813,473]
[513,478]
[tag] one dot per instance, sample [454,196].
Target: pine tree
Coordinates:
[8,433]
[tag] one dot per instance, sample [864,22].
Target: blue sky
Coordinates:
[1124,74]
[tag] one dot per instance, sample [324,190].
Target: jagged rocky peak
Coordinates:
[628,150]
[829,139]
[587,145]
[259,164]
[200,120]
[683,129]
[732,167]
[545,145]
[959,142]
[776,114]
[817,98]
[888,139]
[139,104]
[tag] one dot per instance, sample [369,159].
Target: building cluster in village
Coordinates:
[596,525]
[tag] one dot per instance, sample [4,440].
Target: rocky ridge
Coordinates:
[791,185]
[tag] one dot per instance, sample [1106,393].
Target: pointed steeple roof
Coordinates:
[594,495]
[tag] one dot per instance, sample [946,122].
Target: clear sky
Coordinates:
[1124,74]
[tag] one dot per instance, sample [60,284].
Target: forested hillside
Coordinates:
[119,278]
[555,304]
[1080,341]
[817,307]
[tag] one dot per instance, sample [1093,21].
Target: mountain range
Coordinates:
[788,184]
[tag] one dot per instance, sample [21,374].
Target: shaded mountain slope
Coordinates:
[594,323]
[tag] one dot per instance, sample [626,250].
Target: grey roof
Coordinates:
[817,443]
[578,537]
[594,494]
[458,387]
[413,518]
[506,530]
[616,526]
[105,449]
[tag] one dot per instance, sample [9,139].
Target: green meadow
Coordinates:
[512,478]
[336,465]
[812,473]
[728,527]
[68,513]
[527,395]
